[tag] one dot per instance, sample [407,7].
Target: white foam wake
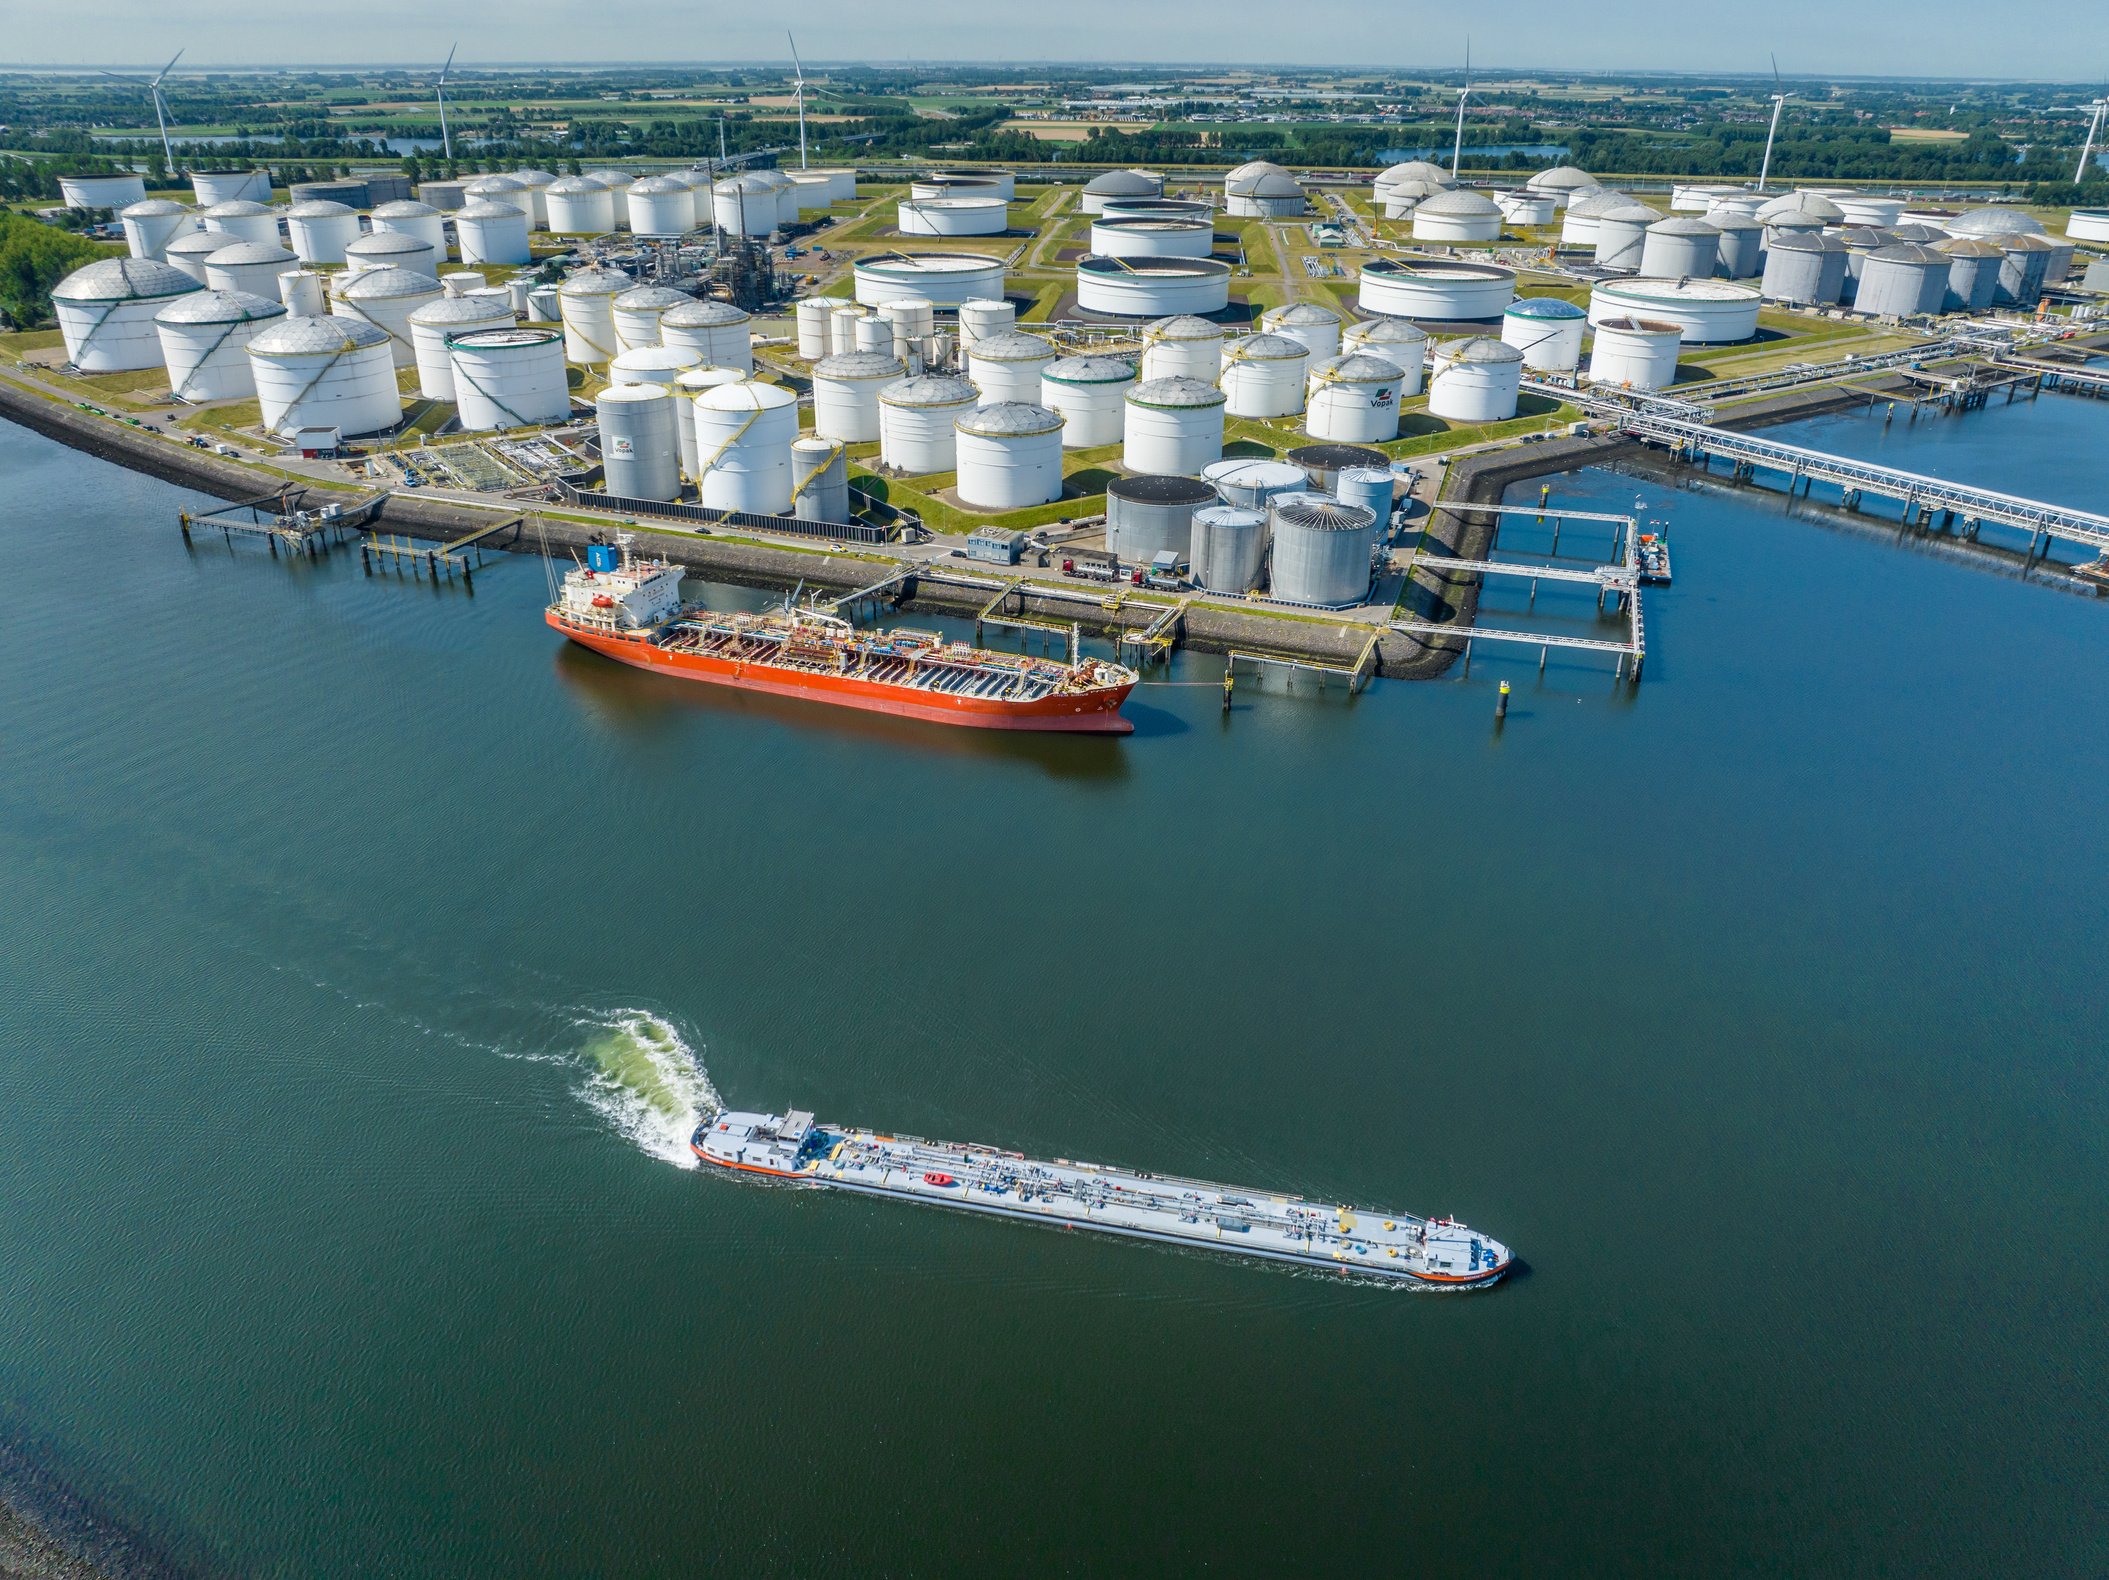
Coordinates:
[646,1082]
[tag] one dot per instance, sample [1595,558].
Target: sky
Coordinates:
[2033,39]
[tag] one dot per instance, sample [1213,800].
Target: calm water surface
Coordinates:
[367,954]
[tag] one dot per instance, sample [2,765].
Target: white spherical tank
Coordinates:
[1174,426]
[1680,248]
[1007,367]
[412,218]
[578,207]
[812,316]
[1089,393]
[1263,376]
[325,373]
[391,249]
[1323,550]
[106,312]
[188,252]
[842,329]
[1317,327]
[1712,312]
[1152,238]
[846,394]
[1353,399]
[1251,481]
[743,443]
[1451,292]
[915,422]
[719,333]
[492,233]
[243,220]
[1548,331]
[1457,216]
[1398,341]
[230,186]
[320,230]
[1182,347]
[1151,287]
[984,316]
[1635,353]
[1475,380]
[151,225]
[639,451]
[660,206]
[252,266]
[637,313]
[111,192]
[1009,456]
[205,339]
[944,278]
[819,480]
[952,216]
[433,324]
[1229,548]
[386,298]
[587,301]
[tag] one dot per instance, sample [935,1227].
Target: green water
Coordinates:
[366,954]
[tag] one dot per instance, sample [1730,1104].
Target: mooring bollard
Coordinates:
[1501,702]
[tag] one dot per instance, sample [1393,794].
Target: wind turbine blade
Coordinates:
[120,76]
[449,65]
[171,66]
[795,61]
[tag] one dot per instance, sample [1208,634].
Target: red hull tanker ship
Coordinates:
[630,609]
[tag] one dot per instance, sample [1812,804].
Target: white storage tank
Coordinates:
[1902,280]
[1635,353]
[639,451]
[812,316]
[1397,340]
[1527,210]
[533,200]
[651,365]
[1192,211]
[1868,208]
[2090,225]
[1401,199]
[1229,548]
[1622,236]
[819,480]
[1317,327]
[846,394]
[1263,376]
[110,192]
[189,251]
[1152,238]
[320,230]
[1419,173]
[545,304]
[1740,253]
[509,377]
[926,188]
[304,292]
[205,339]
[1548,331]
[1323,550]
[228,186]
[1712,312]
[1801,207]
[578,207]
[1251,481]
[719,333]
[149,226]
[1089,393]
[386,298]
[496,189]
[392,249]
[325,372]
[1182,347]
[915,422]
[1353,399]
[689,384]
[984,316]
[943,278]
[1806,268]
[911,320]
[744,206]
[243,219]
[744,433]
[433,324]
[1266,194]
[1119,184]
[587,300]
[1150,287]
[491,232]
[1678,248]
[1174,426]
[811,190]
[637,313]
[1002,182]
[1427,288]
[1457,216]
[1578,228]
[1563,184]
[660,206]
[871,333]
[842,329]
[1475,380]
[1007,367]
[457,281]
[1009,456]
[952,216]
[413,218]
[106,312]
[1148,516]
[1375,488]
[842,184]
[251,266]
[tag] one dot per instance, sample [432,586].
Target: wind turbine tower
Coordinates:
[800,80]
[1457,148]
[1779,102]
[153,87]
[446,138]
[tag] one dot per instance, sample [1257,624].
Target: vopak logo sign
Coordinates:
[622,444]
[1381,398]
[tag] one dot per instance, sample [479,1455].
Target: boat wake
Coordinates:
[646,1082]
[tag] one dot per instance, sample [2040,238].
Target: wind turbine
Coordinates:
[1457,149]
[153,87]
[800,79]
[446,138]
[1779,102]
[2094,129]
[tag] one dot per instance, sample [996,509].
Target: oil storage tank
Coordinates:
[1806,268]
[391,249]
[1251,481]
[1153,238]
[1119,184]
[251,266]
[1009,455]
[1353,399]
[492,232]
[1323,550]
[910,322]
[846,394]
[984,316]
[386,298]
[577,207]
[1635,353]
[1902,280]
[110,192]
[1868,208]
[1973,273]
[1475,380]
[1193,210]
[1151,515]
[325,372]
[946,279]
[1265,194]
[320,230]
[744,206]
[437,321]
[915,422]
[1450,292]
[1527,210]
[151,224]
[637,312]
[2023,269]
[1323,465]
[952,216]
[1151,287]
[652,365]
[1622,236]
[1680,248]
[205,339]
[819,479]
[743,444]
[871,333]
[412,218]
[1182,347]
[1002,182]
[1174,425]
[1317,327]
[1007,366]
[1089,392]
[1564,183]
[304,292]
[533,200]
[1263,376]
[228,186]
[842,329]
[687,386]
[1578,227]
[587,301]
[1229,548]
[721,334]
[812,316]
[1457,216]
[1740,253]
[106,312]
[244,219]
[1396,340]
[1548,331]
[1711,312]
[188,252]
[640,453]
[660,206]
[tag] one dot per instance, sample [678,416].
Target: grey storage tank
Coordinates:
[1740,255]
[1677,249]
[1803,267]
[1322,550]
[1861,241]
[1323,463]
[819,479]
[2023,270]
[639,449]
[1622,236]
[1149,514]
[1229,548]
[1902,281]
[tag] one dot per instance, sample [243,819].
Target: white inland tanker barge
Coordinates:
[1395,1247]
